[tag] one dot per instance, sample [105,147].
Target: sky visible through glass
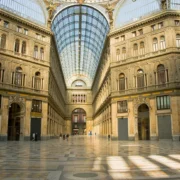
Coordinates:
[29,9]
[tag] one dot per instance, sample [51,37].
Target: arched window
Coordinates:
[78,83]
[161,74]
[142,48]
[37,81]
[36,52]
[18,76]
[17,45]
[178,40]
[42,53]
[3,41]
[135,49]
[23,49]
[121,82]
[140,78]
[123,53]
[162,43]
[118,54]
[155,44]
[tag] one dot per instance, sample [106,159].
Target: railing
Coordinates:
[146,55]
[166,86]
[22,89]
[24,56]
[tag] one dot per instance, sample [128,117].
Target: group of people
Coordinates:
[64,136]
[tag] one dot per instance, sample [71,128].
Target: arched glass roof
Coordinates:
[80,32]
[175,4]
[28,9]
[128,11]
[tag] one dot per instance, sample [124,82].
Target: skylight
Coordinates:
[80,32]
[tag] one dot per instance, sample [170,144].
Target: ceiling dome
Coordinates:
[29,9]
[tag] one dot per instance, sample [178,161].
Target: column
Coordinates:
[44,120]
[4,121]
[152,118]
[132,121]
[27,120]
[175,106]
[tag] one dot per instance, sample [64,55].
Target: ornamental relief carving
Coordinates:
[138,101]
[18,100]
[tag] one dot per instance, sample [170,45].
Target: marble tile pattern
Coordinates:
[89,158]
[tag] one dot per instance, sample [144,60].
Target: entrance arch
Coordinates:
[79,121]
[14,122]
[143,122]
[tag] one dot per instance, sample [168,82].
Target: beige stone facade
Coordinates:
[128,63]
[136,87]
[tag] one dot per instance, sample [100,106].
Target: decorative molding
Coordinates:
[18,100]
[138,101]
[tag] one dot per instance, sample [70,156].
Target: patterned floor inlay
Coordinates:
[89,158]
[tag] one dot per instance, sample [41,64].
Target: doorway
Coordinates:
[123,129]
[143,122]
[14,122]
[36,128]
[164,127]
[78,122]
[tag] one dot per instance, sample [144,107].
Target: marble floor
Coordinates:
[89,158]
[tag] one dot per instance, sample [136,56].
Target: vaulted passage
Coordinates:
[80,32]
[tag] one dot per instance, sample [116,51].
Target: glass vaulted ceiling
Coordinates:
[80,32]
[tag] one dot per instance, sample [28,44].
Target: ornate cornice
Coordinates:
[144,21]
[25,22]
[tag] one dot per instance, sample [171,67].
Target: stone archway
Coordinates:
[16,118]
[143,122]
[78,121]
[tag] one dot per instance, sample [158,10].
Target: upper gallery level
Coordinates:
[21,40]
[81,27]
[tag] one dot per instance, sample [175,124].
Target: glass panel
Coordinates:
[80,39]
[29,9]
[130,11]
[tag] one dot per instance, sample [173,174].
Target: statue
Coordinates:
[110,10]
[163,4]
[51,7]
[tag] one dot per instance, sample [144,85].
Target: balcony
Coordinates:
[22,89]
[167,86]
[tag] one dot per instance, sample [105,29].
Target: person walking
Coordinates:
[67,136]
[64,136]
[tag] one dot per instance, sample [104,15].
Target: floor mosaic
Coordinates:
[89,158]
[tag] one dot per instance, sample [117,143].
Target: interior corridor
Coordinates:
[89,157]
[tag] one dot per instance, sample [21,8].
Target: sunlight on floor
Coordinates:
[117,163]
[143,163]
[175,156]
[165,161]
